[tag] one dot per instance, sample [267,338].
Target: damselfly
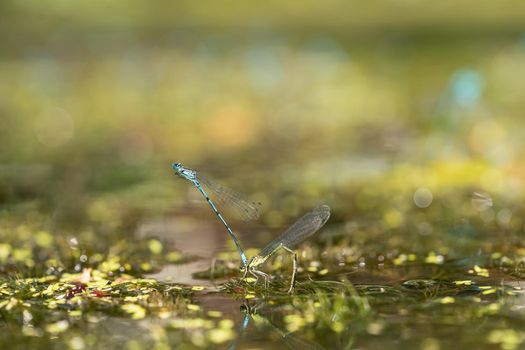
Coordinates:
[247,210]
[302,229]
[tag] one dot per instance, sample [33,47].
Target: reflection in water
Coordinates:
[183,273]
[289,339]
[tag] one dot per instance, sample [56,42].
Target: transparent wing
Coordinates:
[230,200]
[481,201]
[303,228]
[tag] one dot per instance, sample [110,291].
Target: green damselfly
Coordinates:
[301,230]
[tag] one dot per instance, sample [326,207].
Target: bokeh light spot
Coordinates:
[423,197]
[231,126]
[466,87]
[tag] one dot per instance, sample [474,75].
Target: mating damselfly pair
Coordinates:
[302,229]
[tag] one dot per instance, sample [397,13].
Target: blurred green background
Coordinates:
[392,112]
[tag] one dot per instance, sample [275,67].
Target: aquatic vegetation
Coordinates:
[42,308]
[53,288]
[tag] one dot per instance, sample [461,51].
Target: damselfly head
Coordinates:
[177,166]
